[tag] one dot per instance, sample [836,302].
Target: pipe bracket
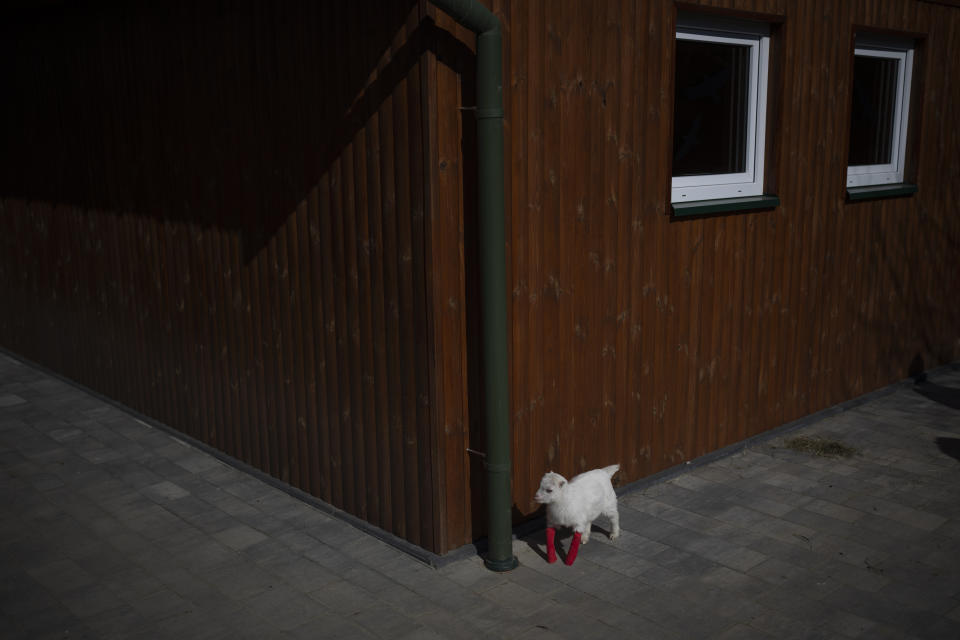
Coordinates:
[483,114]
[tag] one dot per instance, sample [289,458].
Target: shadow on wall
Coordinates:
[219,114]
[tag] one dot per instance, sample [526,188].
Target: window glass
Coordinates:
[710,109]
[873,111]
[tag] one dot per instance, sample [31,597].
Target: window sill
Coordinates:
[874,192]
[725,205]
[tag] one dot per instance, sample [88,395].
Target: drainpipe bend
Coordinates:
[493,274]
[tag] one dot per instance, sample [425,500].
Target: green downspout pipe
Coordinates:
[493,273]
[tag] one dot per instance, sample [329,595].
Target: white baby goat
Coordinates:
[577,504]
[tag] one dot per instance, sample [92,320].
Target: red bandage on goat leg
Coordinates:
[574,546]
[551,550]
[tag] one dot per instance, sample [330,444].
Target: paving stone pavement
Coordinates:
[111,528]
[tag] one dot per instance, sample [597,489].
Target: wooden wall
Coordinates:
[650,341]
[254,222]
[216,214]
[451,156]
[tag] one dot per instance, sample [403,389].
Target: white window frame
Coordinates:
[750,181]
[892,172]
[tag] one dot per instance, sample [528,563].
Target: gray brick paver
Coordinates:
[387,622]
[740,558]
[344,597]
[775,571]
[239,537]
[239,581]
[90,600]
[284,609]
[373,581]
[743,632]
[409,602]
[165,491]
[159,604]
[11,400]
[62,575]
[447,594]
[118,622]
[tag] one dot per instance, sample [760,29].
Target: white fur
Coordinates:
[580,501]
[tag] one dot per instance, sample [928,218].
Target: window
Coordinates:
[880,105]
[720,108]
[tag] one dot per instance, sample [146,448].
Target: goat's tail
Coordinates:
[612,469]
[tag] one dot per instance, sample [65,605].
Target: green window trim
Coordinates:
[874,192]
[725,205]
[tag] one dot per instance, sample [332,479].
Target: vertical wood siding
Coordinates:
[647,341]
[216,215]
[255,224]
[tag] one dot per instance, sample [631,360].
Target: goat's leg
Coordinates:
[551,549]
[574,547]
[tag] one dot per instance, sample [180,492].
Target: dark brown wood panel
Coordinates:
[648,341]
